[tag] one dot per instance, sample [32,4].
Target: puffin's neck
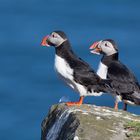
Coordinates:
[108,59]
[64,50]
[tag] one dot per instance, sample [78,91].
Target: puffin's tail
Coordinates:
[133,98]
[136,98]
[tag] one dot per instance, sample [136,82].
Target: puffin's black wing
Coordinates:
[83,73]
[86,76]
[123,80]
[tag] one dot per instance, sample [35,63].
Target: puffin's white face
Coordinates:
[104,46]
[107,47]
[54,39]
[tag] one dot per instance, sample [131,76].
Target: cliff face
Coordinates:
[89,122]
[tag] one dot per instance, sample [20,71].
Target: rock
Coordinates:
[88,122]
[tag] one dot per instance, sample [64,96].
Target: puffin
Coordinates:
[123,80]
[75,72]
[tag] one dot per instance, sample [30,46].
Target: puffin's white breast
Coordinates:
[66,73]
[102,70]
[63,68]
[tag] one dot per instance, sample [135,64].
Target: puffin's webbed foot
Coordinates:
[76,103]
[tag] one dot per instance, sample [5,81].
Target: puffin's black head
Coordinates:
[107,47]
[55,39]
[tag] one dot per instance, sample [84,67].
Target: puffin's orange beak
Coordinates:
[44,41]
[94,48]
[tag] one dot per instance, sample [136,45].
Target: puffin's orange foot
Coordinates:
[116,106]
[76,103]
[73,103]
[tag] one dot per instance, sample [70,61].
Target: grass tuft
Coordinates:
[133,128]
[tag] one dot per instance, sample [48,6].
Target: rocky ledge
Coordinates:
[89,122]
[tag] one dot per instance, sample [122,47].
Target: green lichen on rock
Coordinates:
[133,128]
[89,122]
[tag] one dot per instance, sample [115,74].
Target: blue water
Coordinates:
[28,83]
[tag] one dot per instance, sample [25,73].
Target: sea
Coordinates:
[29,85]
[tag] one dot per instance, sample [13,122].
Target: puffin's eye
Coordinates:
[106,44]
[53,35]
